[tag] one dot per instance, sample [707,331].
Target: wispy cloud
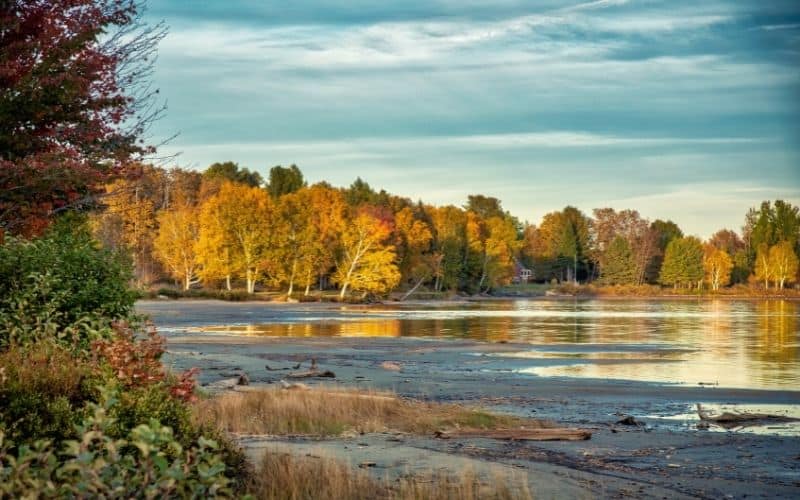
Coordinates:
[541,104]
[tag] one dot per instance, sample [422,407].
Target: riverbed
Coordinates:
[587,363]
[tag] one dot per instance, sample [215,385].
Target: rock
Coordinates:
[628,420]
[391,366]
[294,386]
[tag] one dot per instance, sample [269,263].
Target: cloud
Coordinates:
[650,103]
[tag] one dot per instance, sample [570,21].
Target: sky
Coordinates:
[683,110]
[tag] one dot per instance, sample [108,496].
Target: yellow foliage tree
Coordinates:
[717,265]
[367,264]
[129,220]
[176,243]
[310,221]
[236,233]
[783,263]
[494,241]
[763,270]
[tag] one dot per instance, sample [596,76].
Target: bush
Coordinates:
[43,390]
[147,463]
[62,286]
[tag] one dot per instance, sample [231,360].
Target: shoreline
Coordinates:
[479,299]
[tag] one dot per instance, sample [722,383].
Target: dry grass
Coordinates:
[332,412]
[286,477]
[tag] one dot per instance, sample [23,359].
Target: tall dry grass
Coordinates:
[287,477]
[331,412]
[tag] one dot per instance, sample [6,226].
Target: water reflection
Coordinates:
[732,343]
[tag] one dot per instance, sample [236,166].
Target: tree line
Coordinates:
[228,226]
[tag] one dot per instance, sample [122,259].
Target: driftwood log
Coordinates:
[729,420]
[556,434]
[312,374]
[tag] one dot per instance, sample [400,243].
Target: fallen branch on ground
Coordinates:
[562,434]
[734,419]
[312,373]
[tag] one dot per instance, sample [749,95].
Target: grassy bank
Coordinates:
[344,412]
[284,476]
[334,411]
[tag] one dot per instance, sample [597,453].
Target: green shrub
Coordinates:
[63,286]
[43,391]
[147,463]
[152,402]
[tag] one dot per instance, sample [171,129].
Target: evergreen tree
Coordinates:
[284,180]
[620,266]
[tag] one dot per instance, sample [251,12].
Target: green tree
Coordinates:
[230,171]
[360,193]
[449,246]
[619,266]
[666,231]
[683,263]
[284,180]
[772,224]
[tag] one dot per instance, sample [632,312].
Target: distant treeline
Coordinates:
[227,226]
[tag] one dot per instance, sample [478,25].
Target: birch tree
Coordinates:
[367,263]
[176,243]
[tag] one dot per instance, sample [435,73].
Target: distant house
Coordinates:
[521,273]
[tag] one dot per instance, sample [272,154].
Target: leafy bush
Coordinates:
[147,463]
[43,390]
[63,286]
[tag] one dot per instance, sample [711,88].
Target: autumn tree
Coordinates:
[683,263]
[237,224]
[74,104]
[129,219]
[563,244]
[493,242]
[717,264]
[783,263]
[176,243]
[730,242]
[309,223]
[414,261]
[367,264]
[763,267]
[284,180]
[619,264]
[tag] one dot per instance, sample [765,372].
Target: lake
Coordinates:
[726,343]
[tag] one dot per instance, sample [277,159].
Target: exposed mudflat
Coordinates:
[665,456]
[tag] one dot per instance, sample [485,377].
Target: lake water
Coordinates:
[744,344]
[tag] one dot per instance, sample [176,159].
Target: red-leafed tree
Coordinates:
[75,102]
